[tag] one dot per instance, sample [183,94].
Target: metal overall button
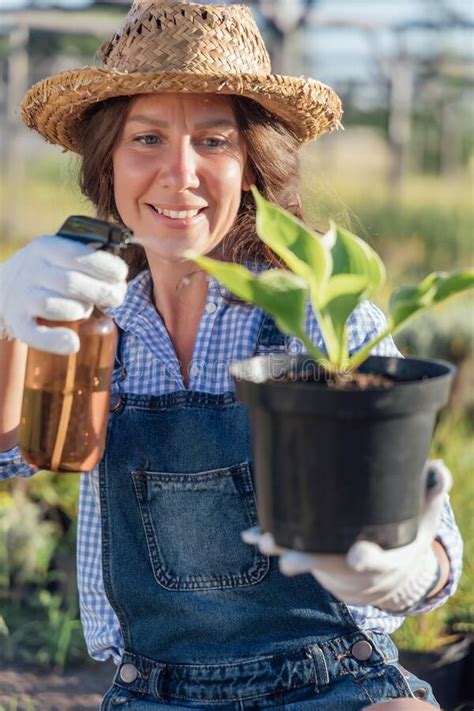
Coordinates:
[420,693]
[361,650]
[128,673]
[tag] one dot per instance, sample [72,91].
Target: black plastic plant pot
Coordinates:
[335,465]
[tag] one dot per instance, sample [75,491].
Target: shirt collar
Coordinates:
[139,299]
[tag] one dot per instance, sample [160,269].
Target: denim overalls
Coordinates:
[208,621]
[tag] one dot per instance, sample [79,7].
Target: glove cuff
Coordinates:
[415,587]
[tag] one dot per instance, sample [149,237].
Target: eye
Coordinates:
[214,142]
[147,140]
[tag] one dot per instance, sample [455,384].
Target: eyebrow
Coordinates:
[210,123]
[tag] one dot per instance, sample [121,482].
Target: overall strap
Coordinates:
[269,335]
[120,372]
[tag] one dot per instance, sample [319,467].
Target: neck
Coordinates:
[179,292]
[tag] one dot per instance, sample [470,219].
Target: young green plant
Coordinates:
[335,272]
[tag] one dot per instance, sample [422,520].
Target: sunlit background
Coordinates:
[400,174]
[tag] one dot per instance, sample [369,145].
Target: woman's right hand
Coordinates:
[60,280]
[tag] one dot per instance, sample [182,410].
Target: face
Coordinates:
[179,171]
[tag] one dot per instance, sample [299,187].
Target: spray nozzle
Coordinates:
[97,234]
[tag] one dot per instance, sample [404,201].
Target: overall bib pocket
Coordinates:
[192,525]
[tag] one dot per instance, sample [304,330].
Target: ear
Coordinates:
[248,178]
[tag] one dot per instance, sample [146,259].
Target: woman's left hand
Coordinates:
[369,575]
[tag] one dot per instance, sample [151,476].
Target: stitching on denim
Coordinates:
[150,539]
[371,674]
[279,692]
[209,475]
[105,703]
[319,660]
[394,676]
[345,613]
[346,654]
[398,677]
[366,691]
[379,643]
[220,700]
[292,655]
[180,399]
[423,684]
[163,575]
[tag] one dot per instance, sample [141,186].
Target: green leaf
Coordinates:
[337,255]
[357,273]
[352,256]
[343,294]
[346,285]
[408,302]
[284,296]
[301,249]
[236,278]
[451,284]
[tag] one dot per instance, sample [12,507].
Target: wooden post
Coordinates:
[399,127]
[278,52]
[450,148]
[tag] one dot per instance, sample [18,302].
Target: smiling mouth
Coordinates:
[177,214]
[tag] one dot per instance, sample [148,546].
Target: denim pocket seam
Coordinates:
[161,572]
[201,477]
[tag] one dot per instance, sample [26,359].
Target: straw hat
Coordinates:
[174,46]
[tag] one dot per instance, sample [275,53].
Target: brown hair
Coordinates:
[273,161]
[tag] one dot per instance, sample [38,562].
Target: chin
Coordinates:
[170,247]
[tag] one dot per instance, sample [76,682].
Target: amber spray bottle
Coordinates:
[66,397]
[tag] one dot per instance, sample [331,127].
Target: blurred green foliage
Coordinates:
[447,332]
[22,702]
[38,598]
[427,227]
[454,442]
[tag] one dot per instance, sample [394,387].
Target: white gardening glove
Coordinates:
[57,279]
[369,575]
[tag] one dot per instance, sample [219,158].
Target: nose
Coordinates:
[178,167]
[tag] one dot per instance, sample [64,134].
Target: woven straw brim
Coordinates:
[56,106]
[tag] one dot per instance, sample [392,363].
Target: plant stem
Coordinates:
[317,354]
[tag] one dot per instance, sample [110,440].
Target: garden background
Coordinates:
[401,175]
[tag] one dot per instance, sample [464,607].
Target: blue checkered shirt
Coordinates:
[227,331]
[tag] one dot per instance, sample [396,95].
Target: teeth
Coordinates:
[176,215]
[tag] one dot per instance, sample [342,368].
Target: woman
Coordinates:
[183,117]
